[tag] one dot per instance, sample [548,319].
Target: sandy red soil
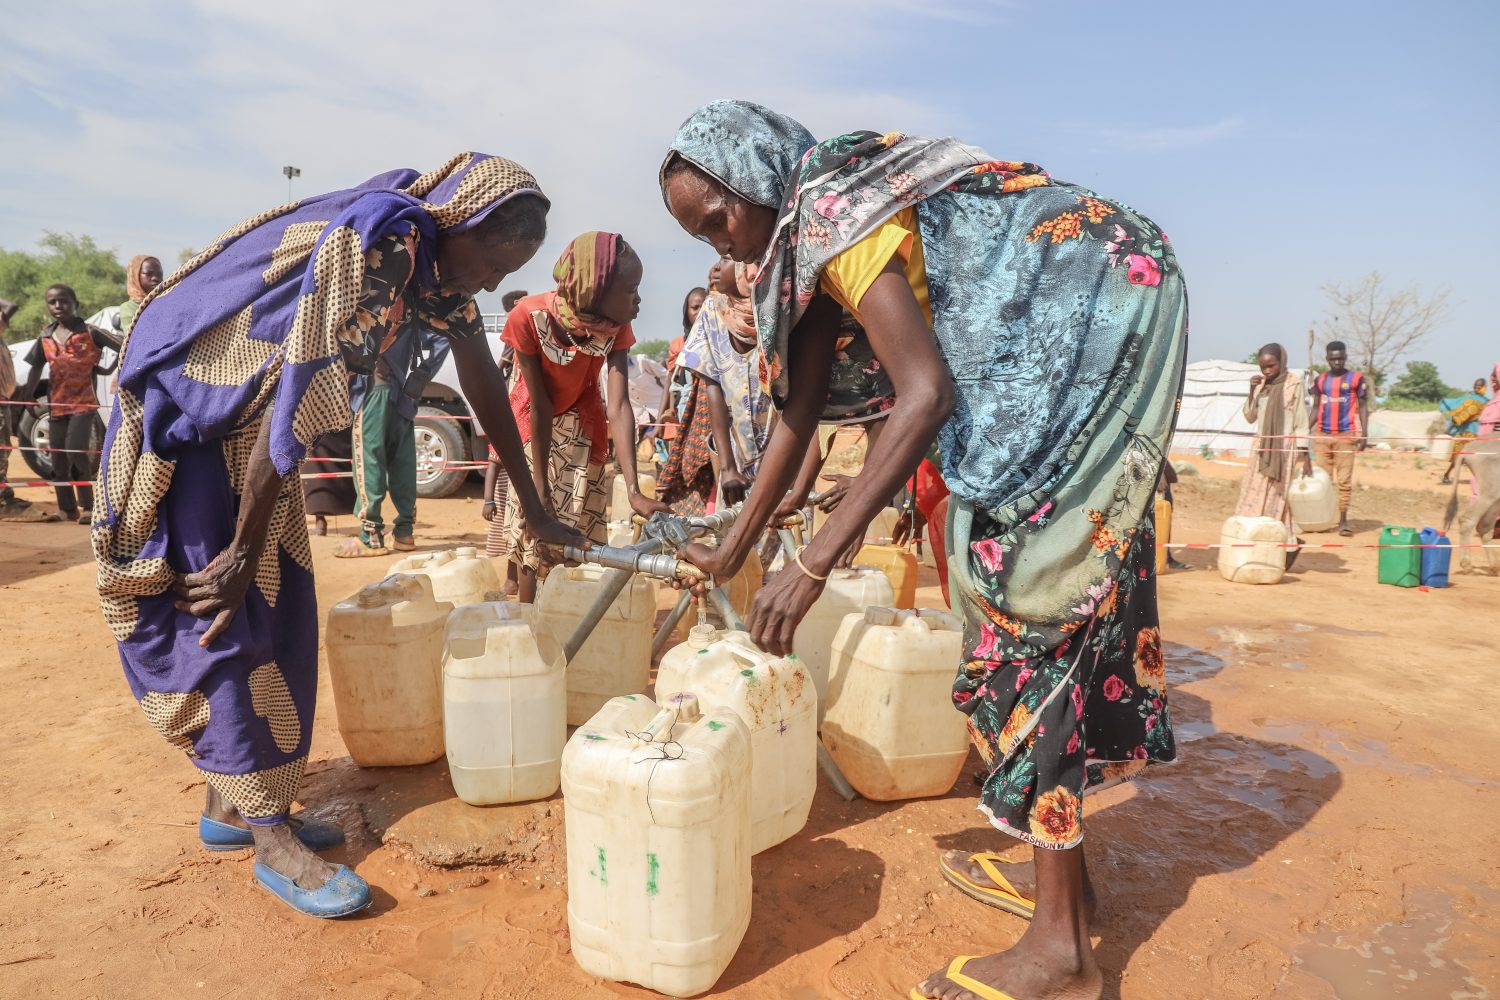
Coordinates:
[1329,829]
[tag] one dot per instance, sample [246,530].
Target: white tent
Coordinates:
[1213,403]
[1213,400]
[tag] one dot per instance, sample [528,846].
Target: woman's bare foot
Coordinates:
[275,846]
[278,848]
[320,525]
[1038,967]
[1054,959]
[1022,876]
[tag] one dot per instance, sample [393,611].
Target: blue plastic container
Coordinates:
[1435,561]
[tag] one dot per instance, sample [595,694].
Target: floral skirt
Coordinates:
[1063,707]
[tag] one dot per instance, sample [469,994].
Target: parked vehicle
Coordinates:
[446,432]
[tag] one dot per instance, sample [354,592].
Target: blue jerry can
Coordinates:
[1435,560]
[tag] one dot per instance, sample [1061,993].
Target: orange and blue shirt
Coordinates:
[1338,402]
[72,363]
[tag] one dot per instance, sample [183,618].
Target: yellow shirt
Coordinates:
[849,276]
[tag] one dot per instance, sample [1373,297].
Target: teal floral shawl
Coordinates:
[1035,285]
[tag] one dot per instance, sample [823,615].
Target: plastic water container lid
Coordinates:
[700,636]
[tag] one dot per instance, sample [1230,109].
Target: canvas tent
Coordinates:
[1213,400]
[1213,405]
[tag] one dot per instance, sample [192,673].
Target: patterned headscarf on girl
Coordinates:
[583,273]
[133,290]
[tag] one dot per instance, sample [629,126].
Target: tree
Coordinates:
[1422,382]
[656,350]
[1377,324]
[93,272]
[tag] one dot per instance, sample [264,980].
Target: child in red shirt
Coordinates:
[562,340]
[73,351]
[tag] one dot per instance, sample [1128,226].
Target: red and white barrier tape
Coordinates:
[1314,545]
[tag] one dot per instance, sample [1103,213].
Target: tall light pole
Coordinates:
[289,173]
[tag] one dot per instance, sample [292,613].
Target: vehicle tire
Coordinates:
[440,443]
[31,435]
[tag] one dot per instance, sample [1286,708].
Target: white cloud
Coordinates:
[181,115]
[1148,139]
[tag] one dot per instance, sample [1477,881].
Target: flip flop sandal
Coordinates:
[19,510]
[955,975]
[1002,895]
[315,836]
[340,896]
[353,548]
[1346,532]
[405,544]
[318,530]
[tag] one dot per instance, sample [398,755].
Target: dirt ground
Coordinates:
[1329,829]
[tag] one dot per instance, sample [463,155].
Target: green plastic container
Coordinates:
[1400,567]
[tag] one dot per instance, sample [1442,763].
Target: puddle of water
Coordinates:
[1334,630]
[1263,647]
[1396,960]
[1187,732]
[1187,663]
[1356,749]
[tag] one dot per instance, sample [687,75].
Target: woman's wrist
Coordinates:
[807,570]
[816,564]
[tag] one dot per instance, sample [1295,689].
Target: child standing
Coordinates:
[562,339]
[72,350]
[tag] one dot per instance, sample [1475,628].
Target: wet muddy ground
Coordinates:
[1329,829]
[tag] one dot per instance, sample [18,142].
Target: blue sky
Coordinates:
[1281,145]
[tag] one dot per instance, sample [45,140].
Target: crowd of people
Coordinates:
[858,281]
[1327,415]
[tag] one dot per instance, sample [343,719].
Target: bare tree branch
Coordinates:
[1380,325]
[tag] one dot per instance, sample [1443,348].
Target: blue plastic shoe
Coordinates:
[340,896]
[315,836]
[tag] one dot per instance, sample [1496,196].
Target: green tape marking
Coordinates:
[603,873]
[594,736]
[748,672]
[653,868]
[714,726]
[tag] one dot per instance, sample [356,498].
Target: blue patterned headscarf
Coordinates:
[1036,287]
[758,154]
[753,151]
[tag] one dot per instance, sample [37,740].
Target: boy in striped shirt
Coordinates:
[1341,401]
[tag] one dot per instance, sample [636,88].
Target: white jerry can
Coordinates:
[385,661]
[890,725]
[657,806]
[775,698]
[459,576]
[1315,505]
[847,592]
[505,699]
[616,659]
[1253,550]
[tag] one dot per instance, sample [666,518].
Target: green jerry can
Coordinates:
[1401,563]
